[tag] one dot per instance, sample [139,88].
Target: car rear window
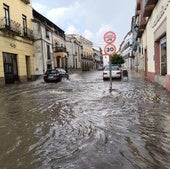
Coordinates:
[51,71]
[113,68]
[61,70]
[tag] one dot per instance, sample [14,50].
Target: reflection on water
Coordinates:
[78,124]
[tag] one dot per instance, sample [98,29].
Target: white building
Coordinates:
[126,51]
[153,22]
[97,58]
[49,45]
[75,51]
[42,45]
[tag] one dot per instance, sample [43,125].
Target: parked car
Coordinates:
[100,68]
[115,72]
[63,73]
[52,75]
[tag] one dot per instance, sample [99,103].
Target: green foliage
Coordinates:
[117,59]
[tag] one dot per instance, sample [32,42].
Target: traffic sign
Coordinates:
[110,49]
[109,37]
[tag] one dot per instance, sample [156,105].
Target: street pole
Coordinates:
[110,70]
[110,49]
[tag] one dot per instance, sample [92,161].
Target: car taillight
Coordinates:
[57,74]
[118,73]
[105,73]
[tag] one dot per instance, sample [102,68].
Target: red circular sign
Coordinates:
[110,49]
[109,37]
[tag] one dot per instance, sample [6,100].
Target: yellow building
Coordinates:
[16,41]
[87,57]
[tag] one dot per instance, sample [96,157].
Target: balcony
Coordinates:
[141,28]
[28,33]
[137,13]
[138,5]
[8,25]
[151,2]
[87,57]
[139,33]
[26,1]
[148,7]
[138,8]
[60,51]
[142,22]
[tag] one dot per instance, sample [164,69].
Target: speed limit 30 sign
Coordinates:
[110,49]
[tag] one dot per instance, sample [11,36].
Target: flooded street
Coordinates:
[78,124]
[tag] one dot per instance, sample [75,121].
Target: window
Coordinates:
[7,17]
[24,22]
[48,52]
[47,34]
[57,44]
[163,49]
[49,66]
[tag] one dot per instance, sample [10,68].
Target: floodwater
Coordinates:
[79,124]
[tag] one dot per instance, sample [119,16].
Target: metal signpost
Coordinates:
[110,50]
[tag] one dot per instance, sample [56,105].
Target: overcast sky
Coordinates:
[89,18]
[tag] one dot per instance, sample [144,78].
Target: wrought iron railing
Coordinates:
[60,49]
[26,1]
[28,33]
[10,25]
[87,57]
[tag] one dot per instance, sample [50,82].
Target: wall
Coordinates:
[157,27]
[16,44]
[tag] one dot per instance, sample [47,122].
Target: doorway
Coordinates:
[27,59]
[10,68]
[163,55]
[146,62]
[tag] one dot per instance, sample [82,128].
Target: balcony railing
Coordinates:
[10,26]
[139,33]
[148,7]
[142,22]
[141,25]
[26,1]
[89,57]
[28,33]
[60,49]
[151,2]
[138,7]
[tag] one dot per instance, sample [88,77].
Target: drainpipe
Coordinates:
[72,42]
[42,50]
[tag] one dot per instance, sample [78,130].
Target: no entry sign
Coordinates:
[109,37]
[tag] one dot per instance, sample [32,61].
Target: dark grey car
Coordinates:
[52,75]
[63,73]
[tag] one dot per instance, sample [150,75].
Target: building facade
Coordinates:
[75,51]
[16,41]
[153,21]
[98,58]
[87,60]
[49,45]
[126,51]
[60,53]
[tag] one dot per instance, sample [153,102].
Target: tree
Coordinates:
[117,59]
